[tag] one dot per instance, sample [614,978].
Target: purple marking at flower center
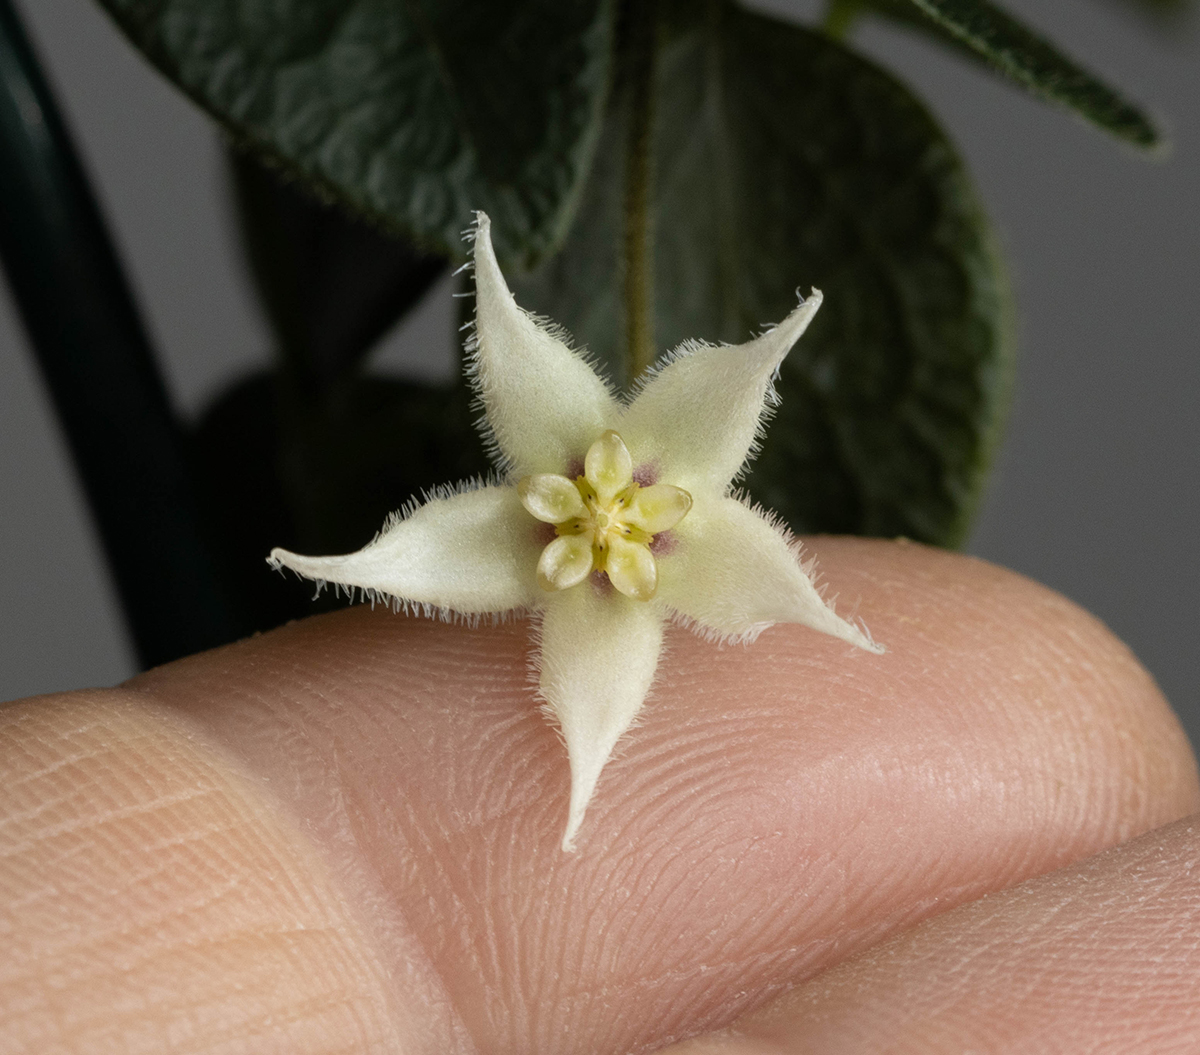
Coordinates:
[545,533]
[663,543]
[646,475]
[574,468]
[601,583]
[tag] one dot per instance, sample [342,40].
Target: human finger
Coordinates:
[778,809]
[1103,956]
[154,900]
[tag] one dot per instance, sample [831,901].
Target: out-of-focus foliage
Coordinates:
[785,161]
[983,31]
[685,155]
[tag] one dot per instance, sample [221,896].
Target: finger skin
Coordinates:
[780,807]
[1100,957]
[152,900]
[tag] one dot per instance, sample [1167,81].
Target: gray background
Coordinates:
[1095,492]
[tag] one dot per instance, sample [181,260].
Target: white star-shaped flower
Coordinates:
[613,519]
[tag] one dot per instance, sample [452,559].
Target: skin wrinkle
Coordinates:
[714,919]
[690,1002]
[150,926]
[674,895]
[47,804]
[298,1015]
[34,776]
[200,950]
[134,880]
[117,817]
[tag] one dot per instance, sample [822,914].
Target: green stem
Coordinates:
[638,247]
[97,364]
[840,16]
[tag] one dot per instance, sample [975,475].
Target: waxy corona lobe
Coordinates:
[656,470]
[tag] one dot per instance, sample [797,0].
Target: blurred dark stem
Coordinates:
[641,35]
[97,363]
[331,283]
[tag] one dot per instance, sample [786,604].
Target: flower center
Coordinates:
[603,520]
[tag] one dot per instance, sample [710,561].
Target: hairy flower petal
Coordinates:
[697,418]
[472,552]
[733,574]
[543,403]
[598,657]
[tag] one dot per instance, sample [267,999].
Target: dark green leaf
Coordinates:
[784,161]
[415,112]
[331,284]
[1021,54]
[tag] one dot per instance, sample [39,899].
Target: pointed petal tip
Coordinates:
[874,647]
[489,279]
[307,567]
[599,653]
[802,314]
[582,793]
[858,636]
[825,620]
[584,779]
[773,344]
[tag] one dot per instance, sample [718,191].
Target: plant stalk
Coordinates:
[97,363]
[638,242]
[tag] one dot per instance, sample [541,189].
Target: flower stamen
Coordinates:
[603,520]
